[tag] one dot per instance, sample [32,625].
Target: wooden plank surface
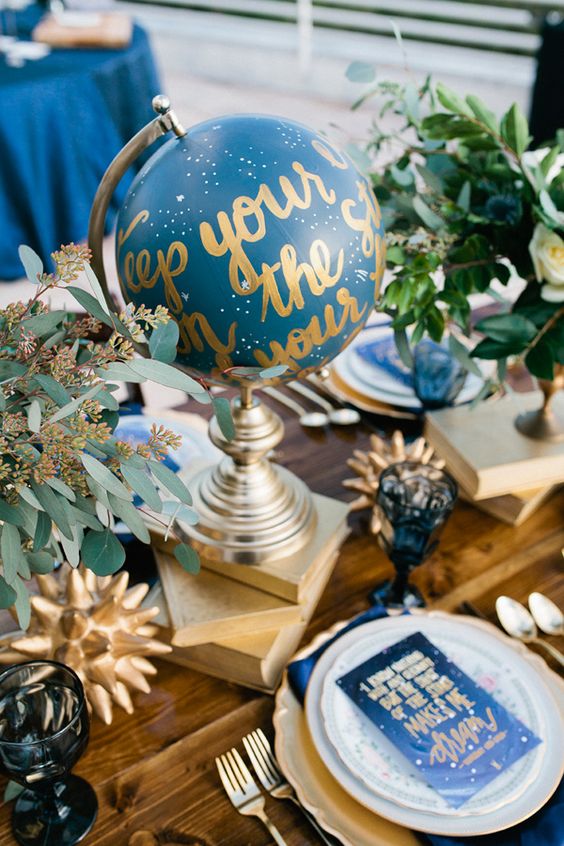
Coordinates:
[154,772]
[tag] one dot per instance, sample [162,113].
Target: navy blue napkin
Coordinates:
[546,828]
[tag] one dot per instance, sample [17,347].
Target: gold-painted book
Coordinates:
[253,660]
[289,578]
[513,508]
[487,455]
[210,607]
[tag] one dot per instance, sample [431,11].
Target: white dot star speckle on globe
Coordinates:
[185,296]
[179,197]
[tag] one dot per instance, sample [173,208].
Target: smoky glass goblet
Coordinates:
[438,377]
[415,502]
[44,729]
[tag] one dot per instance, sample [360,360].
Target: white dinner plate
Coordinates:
[375,761]
[526,675]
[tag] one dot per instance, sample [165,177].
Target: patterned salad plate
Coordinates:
[352,799]
[374,761]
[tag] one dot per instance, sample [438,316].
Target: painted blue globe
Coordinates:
[264,242]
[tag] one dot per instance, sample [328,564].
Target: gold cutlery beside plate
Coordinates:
[243,792]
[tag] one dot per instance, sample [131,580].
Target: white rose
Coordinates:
[547,252]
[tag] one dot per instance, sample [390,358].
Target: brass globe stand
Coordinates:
[251,511]
[545,424]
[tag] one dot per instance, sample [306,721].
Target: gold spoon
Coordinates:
[518,623]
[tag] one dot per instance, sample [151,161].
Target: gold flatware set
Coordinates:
[245,794]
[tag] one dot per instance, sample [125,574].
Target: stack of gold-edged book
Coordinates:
[244,622]
[499,470]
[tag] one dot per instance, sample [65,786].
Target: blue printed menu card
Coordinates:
[455,734]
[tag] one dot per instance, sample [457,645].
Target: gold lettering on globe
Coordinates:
[282,282]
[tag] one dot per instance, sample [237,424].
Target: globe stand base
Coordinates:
[250,510]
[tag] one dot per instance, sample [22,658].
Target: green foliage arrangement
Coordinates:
[465,202]
[64,476]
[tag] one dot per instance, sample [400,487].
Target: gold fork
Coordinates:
[270,776]
[243,792]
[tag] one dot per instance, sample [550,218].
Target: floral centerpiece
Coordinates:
[465,202]
[64,476]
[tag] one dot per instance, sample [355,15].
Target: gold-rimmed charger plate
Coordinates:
[320,792]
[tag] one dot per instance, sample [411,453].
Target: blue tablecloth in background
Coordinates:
[62,120]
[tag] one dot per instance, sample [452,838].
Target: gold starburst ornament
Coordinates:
[95,625]
[369,465]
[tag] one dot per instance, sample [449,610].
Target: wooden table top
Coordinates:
[154,771]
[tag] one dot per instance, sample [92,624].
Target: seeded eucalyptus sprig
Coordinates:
[64,476]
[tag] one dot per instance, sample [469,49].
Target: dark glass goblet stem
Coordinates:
[415,501]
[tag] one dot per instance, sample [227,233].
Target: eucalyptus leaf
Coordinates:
[170,481]
[181,512]
[55,506]
[43,324]
[427,215]
[361,72]
[11,552]
[96,288]
[222,409]
[163,341]
[91,306]
[140,482]
[102,552]
[53,389]
[2,401]
[42,531]
[62,488]
[32,264]
[98,492]
[28,496]
[7,594]
[434,182]
[40,562]
[74,405]
[105,477]
[71,547]
[9,514]
[273,372]
[187,558]
[131,517]
[171,377]
[23,568]
[86,519]
[11,369]
[21,605]
[119,371]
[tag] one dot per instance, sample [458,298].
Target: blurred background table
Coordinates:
[154,771]
[64,118]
